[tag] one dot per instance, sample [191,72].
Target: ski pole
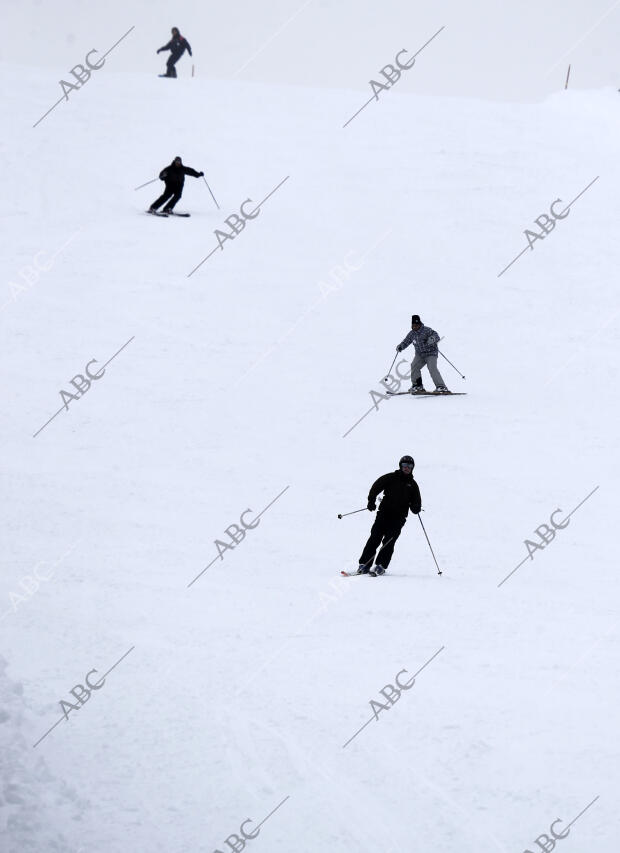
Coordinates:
[342,514]
[449,362]
[209,188]
[429,545]
[385,379]
[146,184]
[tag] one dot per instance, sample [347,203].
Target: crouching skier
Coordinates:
[174,179]
[400,494]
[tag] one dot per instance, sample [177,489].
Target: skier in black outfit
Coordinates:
[177,45]
[400,494]
[174,177]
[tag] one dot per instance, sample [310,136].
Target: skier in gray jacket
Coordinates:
[424,340]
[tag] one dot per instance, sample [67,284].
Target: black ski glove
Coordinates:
[414,511]
[201,174]
[371,506]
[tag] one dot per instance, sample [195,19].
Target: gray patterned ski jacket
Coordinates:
[424,341]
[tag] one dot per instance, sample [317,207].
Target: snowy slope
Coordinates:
[236,386]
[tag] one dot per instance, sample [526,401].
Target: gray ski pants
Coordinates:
[416,369]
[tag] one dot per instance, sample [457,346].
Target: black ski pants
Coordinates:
[385,531]
[171,194]
[170,69]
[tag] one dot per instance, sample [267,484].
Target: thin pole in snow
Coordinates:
[430,546]
[146,184]
[342,514]
[567,76]
[209,188]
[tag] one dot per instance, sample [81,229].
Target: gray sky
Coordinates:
[517,51]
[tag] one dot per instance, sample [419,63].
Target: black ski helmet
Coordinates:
[415,319]
[408,460]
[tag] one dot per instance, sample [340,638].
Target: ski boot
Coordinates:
[441,389]
[417,389]
[379,570]
[362,569]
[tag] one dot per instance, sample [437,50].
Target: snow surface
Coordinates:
[236,387]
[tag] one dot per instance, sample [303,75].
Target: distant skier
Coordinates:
[424,340]
[177,45]
[400,494]
[174,178]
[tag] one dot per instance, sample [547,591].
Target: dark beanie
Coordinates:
[415,319]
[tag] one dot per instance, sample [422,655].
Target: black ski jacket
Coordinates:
[174,176]
[177,45]
[400,494]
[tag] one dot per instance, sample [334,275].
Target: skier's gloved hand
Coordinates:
[371,506]
[414,511]
[398,348]
[200,174]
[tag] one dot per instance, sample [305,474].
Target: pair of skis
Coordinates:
[165,215]
[428,393]
[361,574]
